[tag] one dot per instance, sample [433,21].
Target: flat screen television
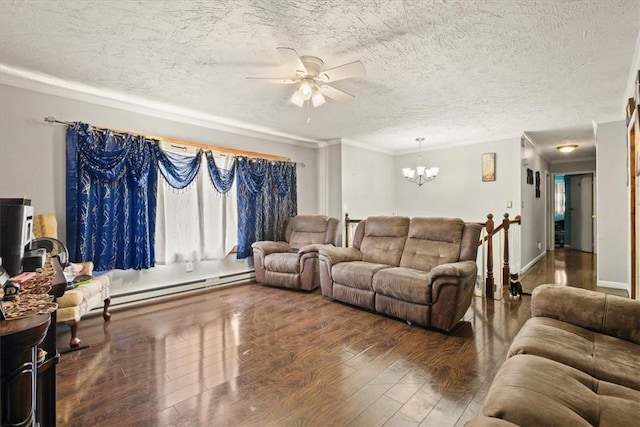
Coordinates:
[16,226]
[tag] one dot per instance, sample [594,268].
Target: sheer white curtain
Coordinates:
[195,223]
[219,213]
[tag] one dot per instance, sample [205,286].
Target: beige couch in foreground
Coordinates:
[576,362]
[422,270]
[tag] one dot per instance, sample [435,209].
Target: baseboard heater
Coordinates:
[126,299]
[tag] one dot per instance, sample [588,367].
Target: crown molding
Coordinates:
[366,146]
[45,83]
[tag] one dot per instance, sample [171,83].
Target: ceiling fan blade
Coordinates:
[336,94]
[273,80]
[293,60]
[346,71]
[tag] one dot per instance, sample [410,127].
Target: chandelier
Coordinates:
[420,174]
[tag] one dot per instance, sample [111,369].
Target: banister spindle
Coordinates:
[505,257]
[489,280]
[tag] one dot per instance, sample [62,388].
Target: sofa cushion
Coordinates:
[601,356]
[405,284]
[356,274]
[384,239]
[533,391]
[431,242]
[303,230]
[285,262]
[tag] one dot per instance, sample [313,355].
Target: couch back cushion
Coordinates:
[431,242]
[383,239]
[303,230]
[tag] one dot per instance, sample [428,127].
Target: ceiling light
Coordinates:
[296,99]
[317,99]
[306,88]
[566,148]
[420,174]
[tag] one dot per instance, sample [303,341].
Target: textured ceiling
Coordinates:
[450,71]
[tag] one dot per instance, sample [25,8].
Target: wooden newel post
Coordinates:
[346,229]
[489,281]
[505,265]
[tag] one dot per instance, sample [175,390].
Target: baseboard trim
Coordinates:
[614,285]
[532,263]
[156,295]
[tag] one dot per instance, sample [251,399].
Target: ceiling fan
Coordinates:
[312,79]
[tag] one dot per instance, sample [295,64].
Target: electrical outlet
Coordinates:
[509,204]
[189,267]
[539,246]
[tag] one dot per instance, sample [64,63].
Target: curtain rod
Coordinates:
[233,151]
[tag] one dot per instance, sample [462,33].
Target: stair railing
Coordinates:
[490,232]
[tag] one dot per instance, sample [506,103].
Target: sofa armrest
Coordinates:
[268,247]
[338,255]
[607,314]
[454,269]
[453,273]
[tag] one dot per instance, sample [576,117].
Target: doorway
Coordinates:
[573,211]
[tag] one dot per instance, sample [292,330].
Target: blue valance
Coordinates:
[222,179]
[177,169]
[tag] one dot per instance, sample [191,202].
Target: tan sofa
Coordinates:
[576,362]
[293,263]
[422,270]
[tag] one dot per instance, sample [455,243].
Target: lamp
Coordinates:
[420,174]
[566,148]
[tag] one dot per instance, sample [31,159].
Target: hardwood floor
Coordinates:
[252,355]
[564,267]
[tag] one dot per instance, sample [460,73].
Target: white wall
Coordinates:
[367,182]
[612,206]
[573,167]
[32,164]
[534,210]
[458,191]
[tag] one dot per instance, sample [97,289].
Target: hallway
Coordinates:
[567,267]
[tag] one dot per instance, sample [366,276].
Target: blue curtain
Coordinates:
[112,193]
[222,180]
[111,198]
[178,170]
[267,196]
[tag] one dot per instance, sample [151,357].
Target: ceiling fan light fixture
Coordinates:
[566,148]
[317,99]
[296,99]
[306,89]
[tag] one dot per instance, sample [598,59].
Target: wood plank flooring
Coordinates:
[563,266]
[252,355]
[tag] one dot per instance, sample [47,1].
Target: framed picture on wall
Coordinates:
[488,167]
[529,176]
[537,184]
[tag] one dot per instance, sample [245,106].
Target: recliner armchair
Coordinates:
[293,263]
